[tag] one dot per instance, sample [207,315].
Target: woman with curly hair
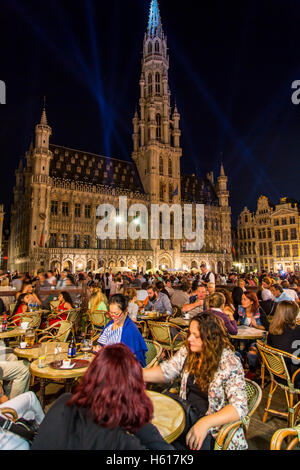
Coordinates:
[212,383]
[109,410]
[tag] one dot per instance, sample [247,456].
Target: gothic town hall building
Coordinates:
[58,189]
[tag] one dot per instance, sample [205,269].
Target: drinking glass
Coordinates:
[86,346]
[42,356]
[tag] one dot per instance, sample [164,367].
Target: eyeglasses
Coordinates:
[116,314]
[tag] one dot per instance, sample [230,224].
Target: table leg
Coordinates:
[69,384]
[43,393]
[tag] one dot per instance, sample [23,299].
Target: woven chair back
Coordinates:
[53,305]
[153,353]
[97,318]
[254,395]
[274,361]
[33,318]
[63,331]
[73,315]
[12,307]
[160,332]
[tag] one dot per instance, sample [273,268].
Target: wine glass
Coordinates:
[86,346]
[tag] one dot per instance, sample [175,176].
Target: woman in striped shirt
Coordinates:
[121,329]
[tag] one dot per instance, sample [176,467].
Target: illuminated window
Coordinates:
[161,166]
[158,126]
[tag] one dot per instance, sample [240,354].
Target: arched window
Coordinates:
[161,191]
[158,126]
[170,169]
[161,166]
[149,47]
[156,46]
[157,83]
[150,84]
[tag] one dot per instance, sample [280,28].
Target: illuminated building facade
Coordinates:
[269,239]
[57,192]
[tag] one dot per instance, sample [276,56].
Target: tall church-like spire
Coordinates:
[154,24]
[156,130]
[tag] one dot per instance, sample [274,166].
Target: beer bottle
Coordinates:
[4,323]
[72,348]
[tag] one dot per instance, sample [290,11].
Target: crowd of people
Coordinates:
[109,409]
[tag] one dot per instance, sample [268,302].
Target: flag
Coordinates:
[233,251]
[175,192]
[42,238]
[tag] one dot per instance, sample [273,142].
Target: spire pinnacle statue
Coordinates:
[154,24]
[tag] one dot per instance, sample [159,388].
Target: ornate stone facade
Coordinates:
[53,217]
[269,239]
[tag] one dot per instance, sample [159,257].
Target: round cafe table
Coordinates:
[48,374]
[15,332]
[31,354]
[248,332]
[169,416]
[179,321]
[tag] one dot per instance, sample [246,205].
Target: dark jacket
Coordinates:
[73,428]
[288,341]
[230,325]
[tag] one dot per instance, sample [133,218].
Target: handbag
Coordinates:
[191,414]
[25,428]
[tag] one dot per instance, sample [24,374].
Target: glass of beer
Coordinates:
[29,338]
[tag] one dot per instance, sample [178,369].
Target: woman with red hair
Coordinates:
[109,410]
[250,313]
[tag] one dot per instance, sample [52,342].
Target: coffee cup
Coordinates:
[66,363]
[23,345]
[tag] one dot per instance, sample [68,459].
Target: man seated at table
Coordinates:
[14,374]
[180,297]
[198,305]
[279,294]
[27,406]
[158,301]
[169,288]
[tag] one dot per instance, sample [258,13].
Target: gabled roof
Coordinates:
[88,168]
[198,190]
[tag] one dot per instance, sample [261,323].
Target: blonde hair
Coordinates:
[285,315]
[130,293]
[216,300]
[96,298]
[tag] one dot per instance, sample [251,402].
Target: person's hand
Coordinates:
[197,434]
[3,399]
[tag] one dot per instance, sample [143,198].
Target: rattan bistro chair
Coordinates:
[59,331]
[97,322]
[32,318]
[53,305]
[274,360]
[153,354]
[9,413]
[226,433]
[291,434]
[161,332]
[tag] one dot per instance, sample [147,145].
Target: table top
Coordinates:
[33,354]
[248,332]
[13,333]
[169,416]
[146,317]
[57,374]
[179,321]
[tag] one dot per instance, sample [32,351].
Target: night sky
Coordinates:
[232,65]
